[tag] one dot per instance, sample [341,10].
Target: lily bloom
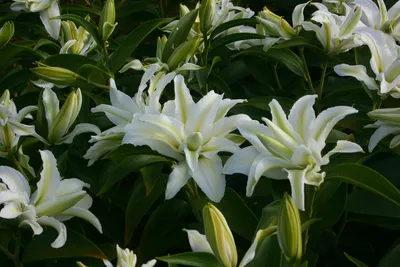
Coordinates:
[289,147]
[55,200]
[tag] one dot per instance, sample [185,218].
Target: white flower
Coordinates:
[387,123]
[48,10]
[193,134]
[379,18]
[337,6]
[336,33]
[289,147]
[54,201]
[11,128]
[385,63]
[126,258]
[60,121]
[75,40]
[122,111]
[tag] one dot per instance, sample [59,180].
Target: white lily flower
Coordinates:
[385,63]
[75,40]
[122,111]
[11,128]
[379,18]
[59,121]
[55,200]
[387,123]
[193,134]
[289,147]
[336,33]
[49,9]
[126,258]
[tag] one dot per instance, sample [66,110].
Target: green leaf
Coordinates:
[230,38]
[132,41]
[116,172]
[157,240]
[284,56]
[89,27]
[355,261]
[230,24]
[197,259]
[179,34]
[366,178]
[392,258]
[240,218]
[76,246]
[268,253]
[270,214]
[140,202]
[295,41]
[364,202]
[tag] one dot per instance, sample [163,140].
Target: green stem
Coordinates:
[10,256]
[17,248]
[322,81]
[310,198]
[308,77]
[94,83]
[278,82]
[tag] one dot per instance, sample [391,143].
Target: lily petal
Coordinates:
[342,146]
[302,116]
[381,133]
[58,226]
[209,178]
[198,242]
[297,181]
[183,99]
[14,180]
[241,161]
[79,129]
[85,215]
[359,72]
[177,179]
[52,26]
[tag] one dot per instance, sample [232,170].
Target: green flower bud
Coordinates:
[219,236]
[107,20]
[207,14]
[56,75]
[65,117]
[6,33]
[183,53]
[161,41]
[289,230]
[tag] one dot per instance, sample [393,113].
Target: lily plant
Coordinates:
[192,134]
[54,201]
[387,123]
[48,9]
[385,63]
[336,33]
[59,121]
[126,258]
[289,147]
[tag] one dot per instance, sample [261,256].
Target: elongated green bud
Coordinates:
[207,14]
[219,236]
[56,75]
[6,33]
[107,20]
[289,230]
[183,53]
[65,117]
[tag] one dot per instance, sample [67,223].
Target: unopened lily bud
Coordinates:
[107,20]
[194,141]
[275,24]
[56,75]
[386,114]
[183,53]
[219,236]
[289,230]
[183,10]
[6,33]
[63,120]
[207,14]
[161,41]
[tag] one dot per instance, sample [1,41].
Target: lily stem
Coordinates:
[17,248]
[322,81]
[278,82]
[311,192]
[10,255]
[308,77]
